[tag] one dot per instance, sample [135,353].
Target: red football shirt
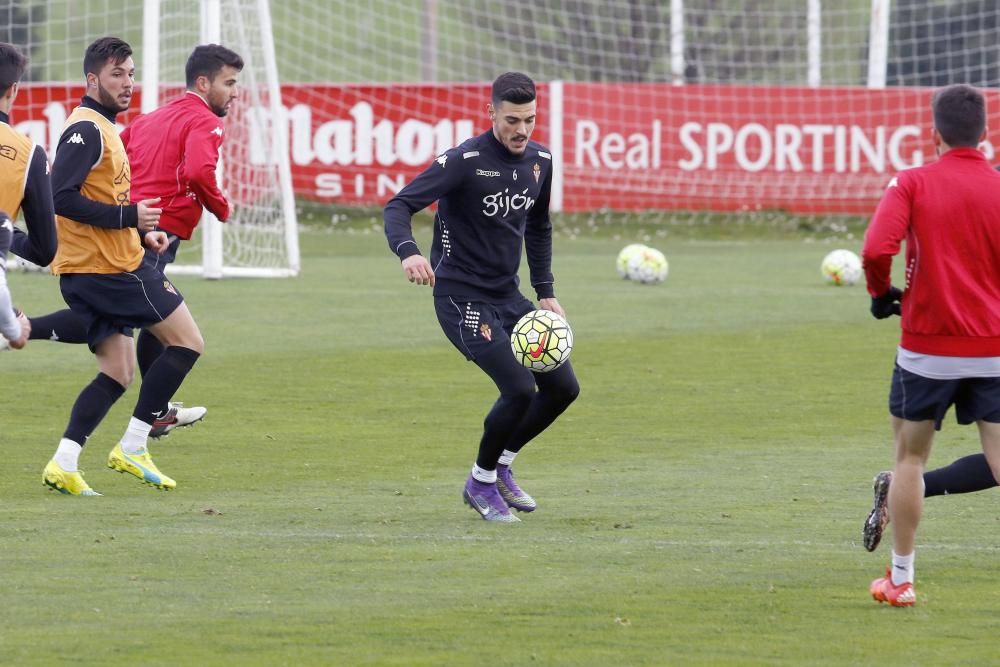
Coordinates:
[949,213]
[173,152]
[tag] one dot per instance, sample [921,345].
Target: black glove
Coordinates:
[887,305]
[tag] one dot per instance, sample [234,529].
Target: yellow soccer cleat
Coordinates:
[69,483]
[141,465]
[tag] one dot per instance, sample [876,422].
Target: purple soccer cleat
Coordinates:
[485,499]
[512,494]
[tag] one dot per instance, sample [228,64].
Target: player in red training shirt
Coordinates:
[949,353]
[173,152]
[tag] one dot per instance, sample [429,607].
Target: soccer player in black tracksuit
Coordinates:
[493,194]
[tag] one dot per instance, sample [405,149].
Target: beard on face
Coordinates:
[110,101]
[219,109]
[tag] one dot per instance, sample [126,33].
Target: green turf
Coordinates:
[699,504]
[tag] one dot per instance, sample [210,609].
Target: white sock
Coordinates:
[507,458]
[68,455]
[134,440]
[484,476]
[902,568]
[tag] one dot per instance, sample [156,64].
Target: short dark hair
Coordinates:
[959,115]
[12,66]
[102,50]
[513,87]
[208,60]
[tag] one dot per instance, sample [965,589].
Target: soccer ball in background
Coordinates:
[629,251]
[841,267]
[15,263]
[648,266]
[541,341]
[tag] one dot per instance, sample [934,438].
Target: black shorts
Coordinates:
[159,262]
[119,302]
[916,398]
[475,326]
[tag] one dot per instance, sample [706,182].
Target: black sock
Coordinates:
[62,326]
[508,409]
[91,405]
[162,380]
[965,475]
[556,391]
[148,349]
[516,391]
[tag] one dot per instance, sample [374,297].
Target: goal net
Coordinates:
[669,111]
[665,111]
[260,238]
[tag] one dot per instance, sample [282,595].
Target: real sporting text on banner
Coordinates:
[623,146]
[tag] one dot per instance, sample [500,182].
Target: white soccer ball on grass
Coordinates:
[626,254]
[841,267]
[648,266]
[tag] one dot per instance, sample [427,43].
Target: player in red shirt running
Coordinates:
[949,354]
[174,152]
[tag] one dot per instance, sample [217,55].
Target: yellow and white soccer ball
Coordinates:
[627,253]
[541,341]
[648,266]
[841,267]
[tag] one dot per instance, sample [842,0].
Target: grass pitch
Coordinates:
[701,503]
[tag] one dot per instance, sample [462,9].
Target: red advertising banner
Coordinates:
[622,147]
[808,150]
[360,144]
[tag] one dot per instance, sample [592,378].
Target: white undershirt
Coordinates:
[938,367]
